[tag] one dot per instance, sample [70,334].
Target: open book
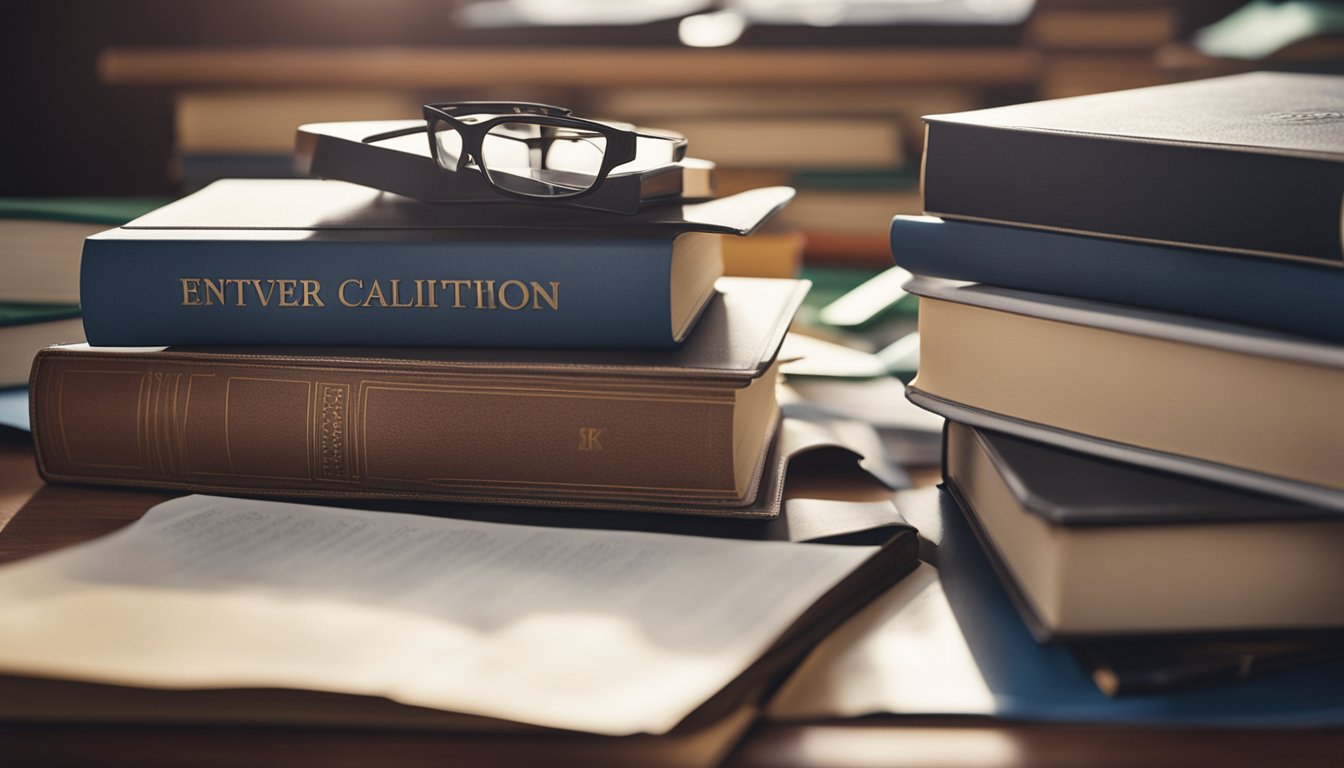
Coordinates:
[259,610]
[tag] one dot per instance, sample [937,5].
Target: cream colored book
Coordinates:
[1224,403]
[237,120]
[1095,547]
[792,141]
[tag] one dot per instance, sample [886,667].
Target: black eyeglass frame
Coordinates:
[622,145]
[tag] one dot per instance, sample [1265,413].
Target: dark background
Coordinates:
[67,134]
[64,133]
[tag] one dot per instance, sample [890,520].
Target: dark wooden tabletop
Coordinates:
[35,517]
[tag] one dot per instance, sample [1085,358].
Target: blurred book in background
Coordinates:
[41,240]
[852,152]
[27,328]
[250,133]
[1092,46]
[775,252]
[743,22]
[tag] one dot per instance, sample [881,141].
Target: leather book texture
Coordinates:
[308,262]
[1282,295]
[688,427]
[1203,164]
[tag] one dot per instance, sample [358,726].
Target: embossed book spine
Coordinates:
[400,287]
[360,428]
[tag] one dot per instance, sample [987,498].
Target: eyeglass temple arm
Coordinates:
[377,137]
[645,133]
[502,107]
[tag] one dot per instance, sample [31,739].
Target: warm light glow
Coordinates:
[907,746]
[711,30]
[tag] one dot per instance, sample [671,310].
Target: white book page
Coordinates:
[602,631]
[903,653]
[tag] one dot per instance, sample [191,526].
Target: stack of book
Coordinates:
[560,366]
[314,339]
[1130,317]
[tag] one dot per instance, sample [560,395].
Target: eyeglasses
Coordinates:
[539,152]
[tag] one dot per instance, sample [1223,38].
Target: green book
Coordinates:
[112,211]
[15,313]
[42,239]
[26,328]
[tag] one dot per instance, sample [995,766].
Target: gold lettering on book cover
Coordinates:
[191,291]
[421,293]
[370,399]
[340,292]
[333,458]
[590,439]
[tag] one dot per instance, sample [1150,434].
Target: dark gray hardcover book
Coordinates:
[1250,163]
[1064,487]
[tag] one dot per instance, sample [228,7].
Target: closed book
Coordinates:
[1220,402]
[1121,27]
[197,169]
[1202,164]
[1289,296]
[793,140]
[1093,547]
[262,121]
[311,262]
[27,328]
[41,237]
[764,254]
[687,428]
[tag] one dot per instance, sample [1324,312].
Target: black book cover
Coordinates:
[1250,163]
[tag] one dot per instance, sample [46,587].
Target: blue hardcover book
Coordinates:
[310,262]
[1281,295]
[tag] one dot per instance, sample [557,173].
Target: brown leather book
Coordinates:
[687,429]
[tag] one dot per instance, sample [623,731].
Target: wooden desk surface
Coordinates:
[35,517]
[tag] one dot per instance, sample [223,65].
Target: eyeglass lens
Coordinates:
[530,158]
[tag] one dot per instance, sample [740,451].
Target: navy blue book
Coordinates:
[324,263]
[1281,295]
